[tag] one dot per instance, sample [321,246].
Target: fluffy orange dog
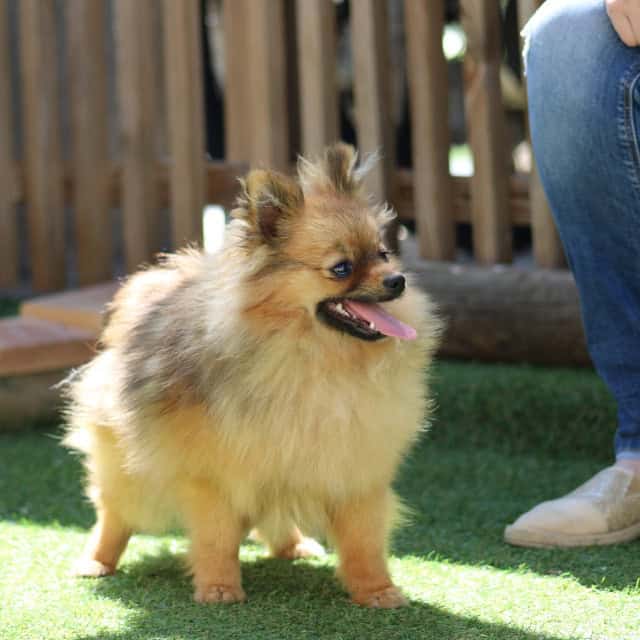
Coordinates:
[274,385]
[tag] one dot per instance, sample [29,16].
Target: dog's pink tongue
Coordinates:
[384,322]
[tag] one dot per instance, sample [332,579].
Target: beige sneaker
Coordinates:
[604,510]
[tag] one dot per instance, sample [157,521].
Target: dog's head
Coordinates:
[318,251]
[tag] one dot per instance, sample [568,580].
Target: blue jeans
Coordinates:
[584,109]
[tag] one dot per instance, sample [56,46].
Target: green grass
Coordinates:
[8,307]
[504,438]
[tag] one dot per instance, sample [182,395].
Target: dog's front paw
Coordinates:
[88,568]
[387,598]
[227,594]
[306,548]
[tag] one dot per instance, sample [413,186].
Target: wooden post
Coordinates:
[237,93]
[8,222]
[137,102]
[485,122]
[317,67]
[87,60]
[42,151]
[428,85]
[267,71]
[547,248]
[183,60]
[370,44]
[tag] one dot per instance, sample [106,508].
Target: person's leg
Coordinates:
[584,106]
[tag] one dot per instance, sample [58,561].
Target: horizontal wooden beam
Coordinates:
[222,184]
[222,188]
[518,184]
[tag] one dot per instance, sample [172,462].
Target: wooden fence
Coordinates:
[62,181]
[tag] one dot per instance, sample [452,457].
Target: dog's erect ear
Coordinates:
[269,202]
[336,171]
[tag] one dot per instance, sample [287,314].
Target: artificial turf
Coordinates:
[503,438]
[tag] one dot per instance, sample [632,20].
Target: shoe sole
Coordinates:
[550,539]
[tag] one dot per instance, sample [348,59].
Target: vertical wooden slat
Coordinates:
[485,122]
[370,44]
[547,247]
[267,73]
[316,26]
[428,87]
[87,60]
[138,121]
[183,60]
[8,223]
[42,150]
[237,92]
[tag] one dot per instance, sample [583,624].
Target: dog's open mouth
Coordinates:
[364,320]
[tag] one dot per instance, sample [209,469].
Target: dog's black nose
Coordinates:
[395,283]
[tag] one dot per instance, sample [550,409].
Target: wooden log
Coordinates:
[504,313]
[87,63]
[370,44]
[316,29]
[485,122]
[136,68]
[26,400]
[237,91]
[42,149]
[8,223]
[183,61]
[267,73]
[428,89]
[547,247]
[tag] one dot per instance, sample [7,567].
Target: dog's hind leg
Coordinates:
[108,540]
[287,541]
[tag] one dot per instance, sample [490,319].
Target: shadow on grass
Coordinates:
[461,500]
[285,600]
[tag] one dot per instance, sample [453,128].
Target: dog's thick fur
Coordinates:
[221,401]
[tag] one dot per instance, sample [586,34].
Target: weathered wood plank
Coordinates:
[184,92]
[316,30]
[485,122]
[30,345]
[547,247]
[137,85]
[87,63]
[42,149]
[80,308]
[370,44]
[8,222]
[428,88]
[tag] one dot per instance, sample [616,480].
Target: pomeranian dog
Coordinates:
[274,386]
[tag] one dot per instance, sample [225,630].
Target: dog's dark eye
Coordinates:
[342,269]
[384,254]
